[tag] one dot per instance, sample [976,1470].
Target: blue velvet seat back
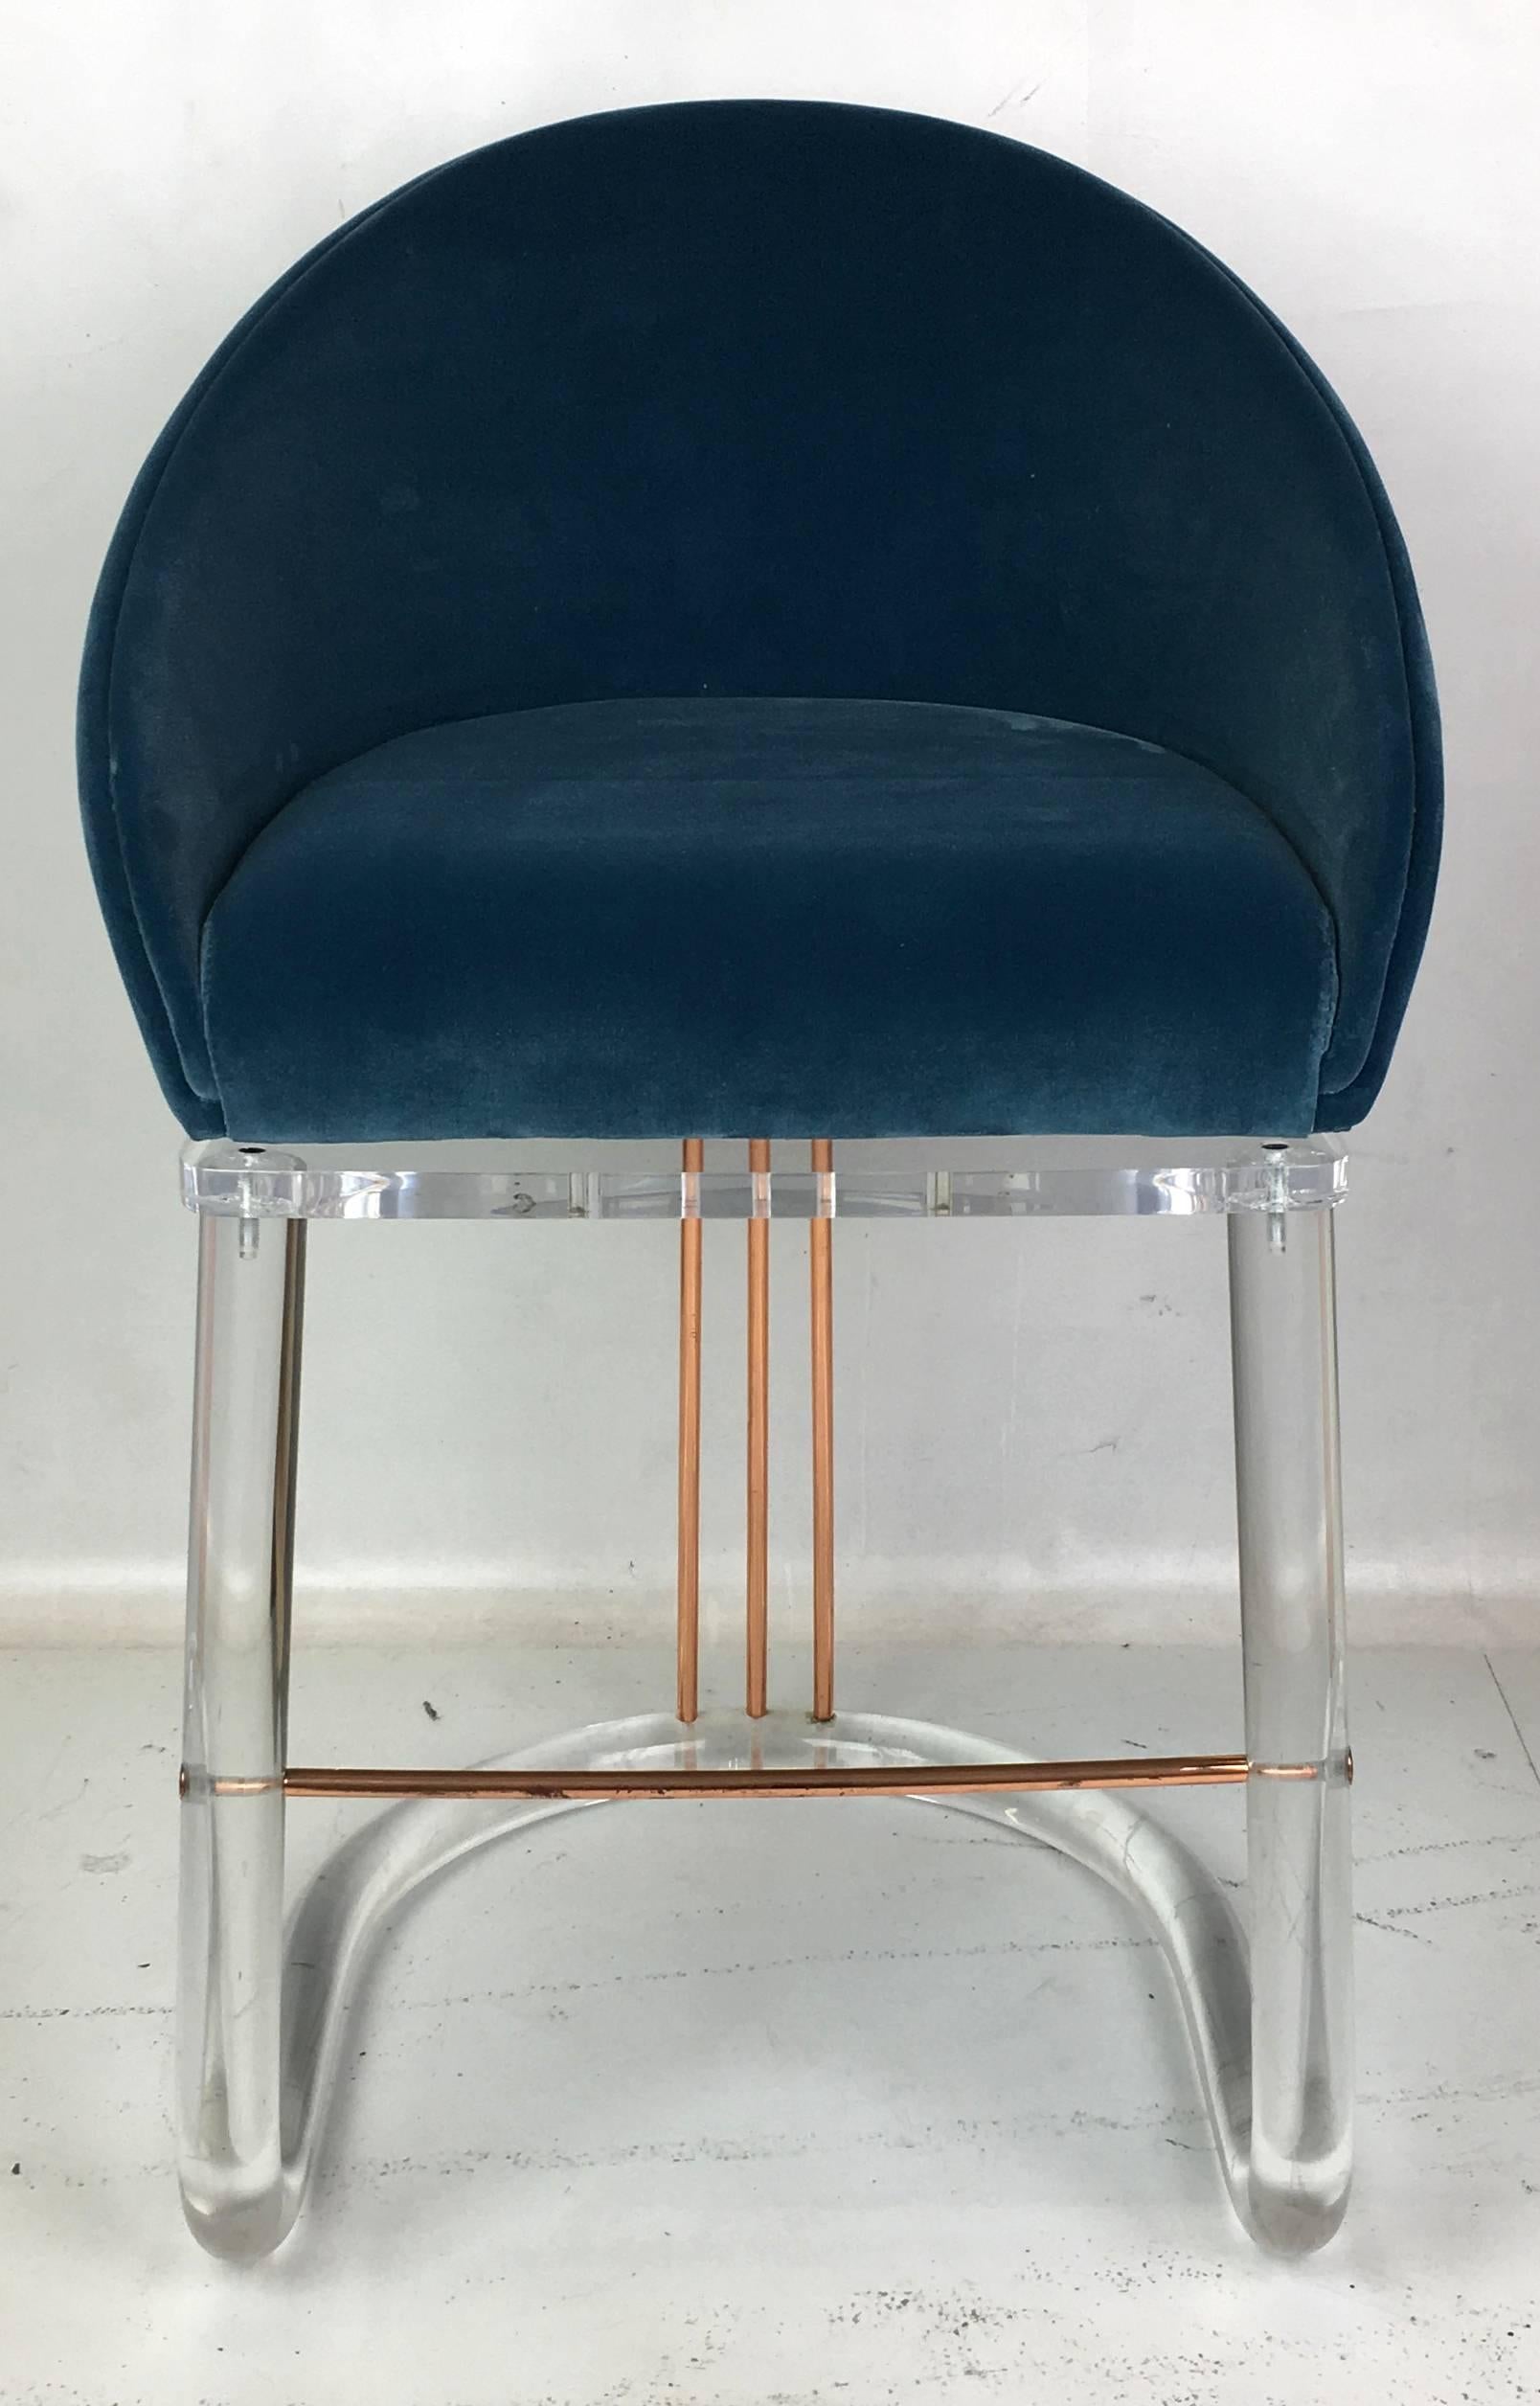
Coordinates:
[756,398]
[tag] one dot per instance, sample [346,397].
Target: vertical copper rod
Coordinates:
[689,1286]
[286,1462]
[757,1582]
[820,1241]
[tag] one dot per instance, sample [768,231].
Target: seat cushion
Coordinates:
[717,917]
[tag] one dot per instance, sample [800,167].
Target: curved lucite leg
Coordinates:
[250,1279]
[351,1900]
[1298,1837]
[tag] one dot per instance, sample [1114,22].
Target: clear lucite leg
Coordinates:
[1283,1341]
[240,1554]
[263,2023]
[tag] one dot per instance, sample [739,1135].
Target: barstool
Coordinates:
[806,635]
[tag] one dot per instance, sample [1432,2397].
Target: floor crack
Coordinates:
[1518,1733]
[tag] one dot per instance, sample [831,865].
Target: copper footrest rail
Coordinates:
[985,1778]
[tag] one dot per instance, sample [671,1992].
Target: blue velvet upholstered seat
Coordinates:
[767,914]
[760,617]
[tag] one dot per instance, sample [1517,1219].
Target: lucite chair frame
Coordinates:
[1268,2013]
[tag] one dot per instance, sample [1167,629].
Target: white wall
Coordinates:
[491,1409]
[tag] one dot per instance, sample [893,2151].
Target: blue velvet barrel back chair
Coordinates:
[761,621]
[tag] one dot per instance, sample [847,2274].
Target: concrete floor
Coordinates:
[710,2104]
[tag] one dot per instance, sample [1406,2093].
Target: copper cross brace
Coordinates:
[896,1778]
[888,1779]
